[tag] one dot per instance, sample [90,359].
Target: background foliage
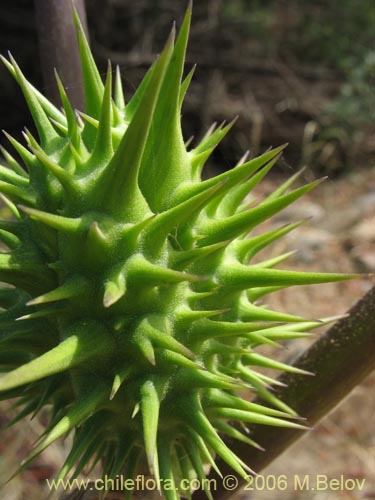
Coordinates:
[295,70]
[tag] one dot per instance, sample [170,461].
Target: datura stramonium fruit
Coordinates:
[131,299]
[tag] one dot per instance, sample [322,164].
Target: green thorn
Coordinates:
[150,405]
[136,409]
[82,440]
[165,340]
[26,156]
[80,411]
[255,418]
[166,472]
[201,424]
[103,149]
[45,129]
[46,104]
[118,380]
[71,118]
[246,249]
[89,340]
[222,399]
[114,288]
[93,84]
[17,193]
[163,223]
[250,312]
[139,271]
[65,179]
[285,185]
[198,378]
[241,277]
[205,452]
[185,85]
[119,93]
[231,177]
[71,288]
[12,163]
[218,230]
[259,360]
[118,182]
[64,224]
[9,239]
[8,175]
[228,204]
[146,348]
[236,434]
[197,462]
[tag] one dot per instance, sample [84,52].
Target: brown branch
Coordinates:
[341,358]
[58,47]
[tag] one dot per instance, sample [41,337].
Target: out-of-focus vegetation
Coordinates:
[331,33]
[338,35]
[355,104]
[293,70]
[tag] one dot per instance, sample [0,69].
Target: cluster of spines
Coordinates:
[112,196]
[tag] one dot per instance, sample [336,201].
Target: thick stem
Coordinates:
[58,47]
[341,358]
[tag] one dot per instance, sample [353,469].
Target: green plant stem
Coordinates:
[341,359]
[58,47]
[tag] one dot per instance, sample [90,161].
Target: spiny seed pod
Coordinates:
[130,308]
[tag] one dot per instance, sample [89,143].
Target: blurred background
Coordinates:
[293,71]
